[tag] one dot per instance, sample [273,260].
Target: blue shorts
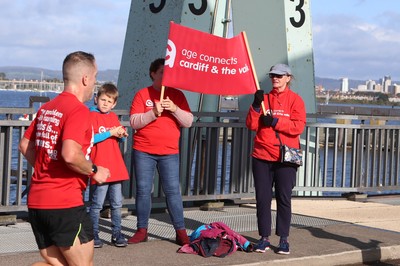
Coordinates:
[61,227]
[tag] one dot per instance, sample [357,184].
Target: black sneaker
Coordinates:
[283,248]
[97,241]
[119,240]
[262,245]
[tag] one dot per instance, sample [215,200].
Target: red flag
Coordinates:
[201,62]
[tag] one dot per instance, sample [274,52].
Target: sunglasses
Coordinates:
[276,76]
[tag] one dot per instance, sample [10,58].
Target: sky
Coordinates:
[358,39]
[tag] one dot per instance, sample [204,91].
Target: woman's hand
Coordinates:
[157,109]
[169,105]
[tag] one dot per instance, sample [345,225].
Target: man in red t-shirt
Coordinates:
[57,144]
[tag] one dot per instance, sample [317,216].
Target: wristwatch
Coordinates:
[94,170]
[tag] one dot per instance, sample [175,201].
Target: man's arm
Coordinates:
[27,149]
[75,159]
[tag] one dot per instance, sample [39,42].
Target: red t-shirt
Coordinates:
[161,136]
[107,152]
[54,185]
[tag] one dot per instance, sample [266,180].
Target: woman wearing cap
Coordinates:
[285,114]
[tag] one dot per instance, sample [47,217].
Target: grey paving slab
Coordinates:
[313,240]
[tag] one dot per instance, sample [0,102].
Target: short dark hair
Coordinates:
[155,65]
[108,89]
[73,59]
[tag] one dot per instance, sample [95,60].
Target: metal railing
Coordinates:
[355,154]
[342,154]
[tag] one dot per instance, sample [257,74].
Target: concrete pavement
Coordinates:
[381,212]
[324,232]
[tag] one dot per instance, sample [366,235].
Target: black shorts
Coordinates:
[61,227]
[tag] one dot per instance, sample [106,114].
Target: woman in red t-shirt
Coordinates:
[156,145]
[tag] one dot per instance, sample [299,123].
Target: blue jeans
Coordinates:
[145,165]
[99,193]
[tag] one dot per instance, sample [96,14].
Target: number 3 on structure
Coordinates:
[298,24]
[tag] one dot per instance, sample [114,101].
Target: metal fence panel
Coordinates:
[339,158]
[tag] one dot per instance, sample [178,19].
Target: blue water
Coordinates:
[10,98]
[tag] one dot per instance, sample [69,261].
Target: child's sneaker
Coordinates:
[283,248]
[262,245]
[97,241]
[119,240]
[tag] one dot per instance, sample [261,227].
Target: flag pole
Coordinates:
[162,92]
[253,69]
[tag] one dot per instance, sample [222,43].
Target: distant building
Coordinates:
[370,85]
[33,85]
[345,85]
[378,88]
[386,82]
[362,87]
[396,89]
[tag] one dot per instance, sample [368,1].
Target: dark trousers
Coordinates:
[268,175]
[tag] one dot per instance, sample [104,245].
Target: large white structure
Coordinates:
[386,83]
[289,22]
[371,85]
[345,85]
[396,89]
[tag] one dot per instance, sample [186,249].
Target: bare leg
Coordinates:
[52,256]
[79,254]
